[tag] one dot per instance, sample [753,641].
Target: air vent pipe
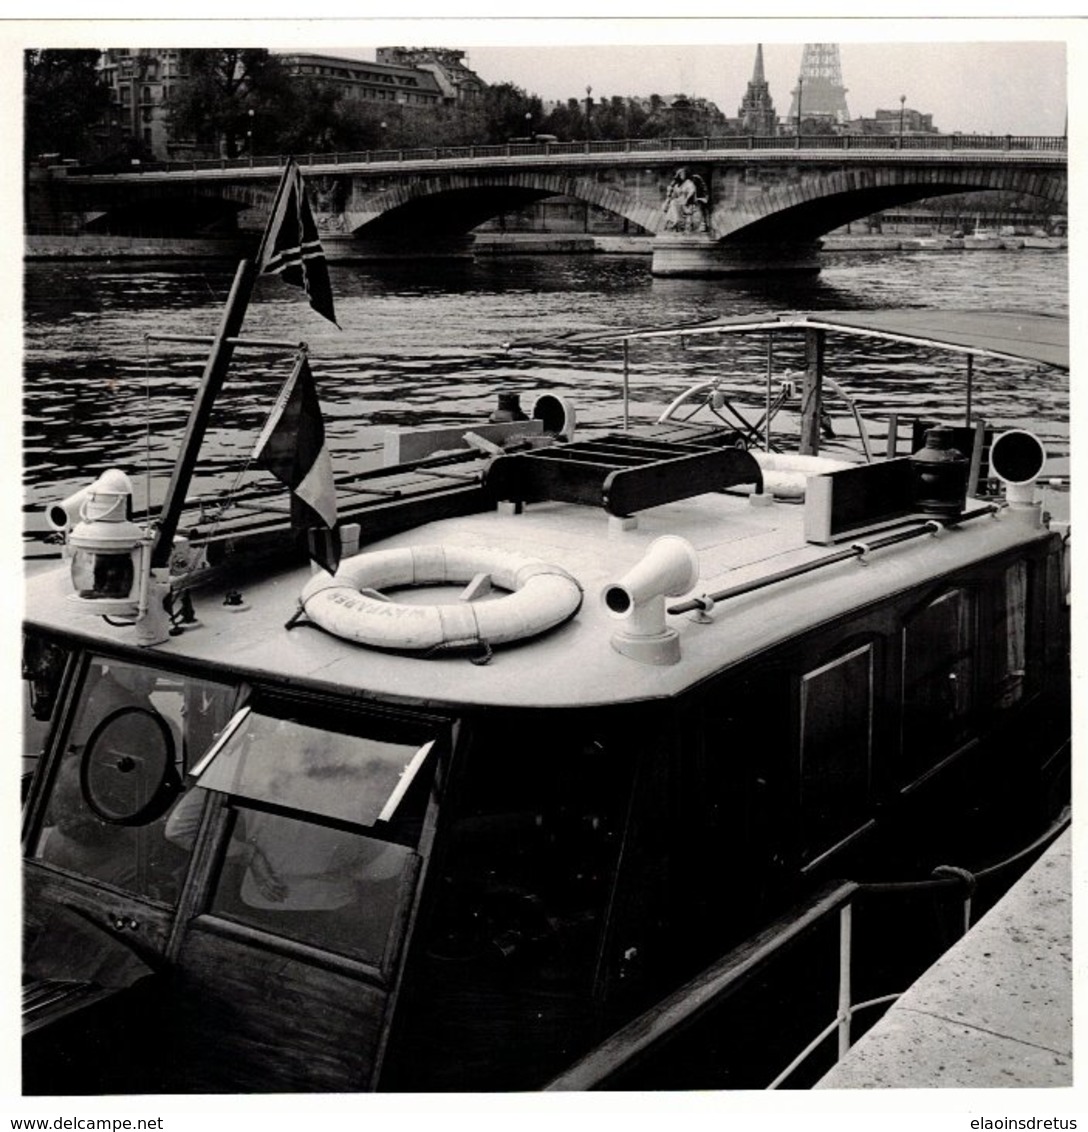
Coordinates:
[669,568]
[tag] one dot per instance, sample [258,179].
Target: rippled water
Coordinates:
[424,343]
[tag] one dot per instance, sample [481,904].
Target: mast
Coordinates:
[812,392]
[215,372]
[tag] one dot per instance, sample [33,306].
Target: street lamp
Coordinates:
[528,125]
[902,105]
[383,126]
[800,88]
[589,108]
[249,132]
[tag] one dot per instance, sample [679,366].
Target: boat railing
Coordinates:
[693,1033]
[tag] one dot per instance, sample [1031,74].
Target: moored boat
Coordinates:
[578,718]
[1043,242]
[983,239]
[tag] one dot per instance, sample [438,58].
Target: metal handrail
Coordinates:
[926,143]
[713,986]
[913,528]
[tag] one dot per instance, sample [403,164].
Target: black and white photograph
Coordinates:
[545,569]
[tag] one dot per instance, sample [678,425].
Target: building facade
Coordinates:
[368,82]
[142,81]
[457,82]
[905,121]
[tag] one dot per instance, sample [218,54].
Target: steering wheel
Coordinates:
[128,774]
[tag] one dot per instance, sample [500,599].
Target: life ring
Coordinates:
[786,474]
[348,605]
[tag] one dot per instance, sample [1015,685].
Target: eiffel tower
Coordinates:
[819,92]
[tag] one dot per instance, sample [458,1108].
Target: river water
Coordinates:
[425,343]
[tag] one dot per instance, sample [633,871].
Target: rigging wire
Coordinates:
[228,499]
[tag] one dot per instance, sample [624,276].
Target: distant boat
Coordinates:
[986,239]
[1043,242]
[929,242]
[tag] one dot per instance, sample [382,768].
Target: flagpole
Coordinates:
[215,372]
[275,208]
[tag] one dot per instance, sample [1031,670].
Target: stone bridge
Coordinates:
[768,200]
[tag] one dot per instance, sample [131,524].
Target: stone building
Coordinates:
[458,83]
[141,82]
[757,114]
[904,120]
[399,84]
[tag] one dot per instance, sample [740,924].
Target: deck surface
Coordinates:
[575,664]
[996,1011]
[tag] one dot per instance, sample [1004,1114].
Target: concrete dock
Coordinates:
[996,1011]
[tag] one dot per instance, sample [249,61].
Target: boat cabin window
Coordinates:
[329,887]
[1012,636]
[44,662]
[335,774]
[324,820]
[134,732]
[939,673]
[836,748]
[533,853]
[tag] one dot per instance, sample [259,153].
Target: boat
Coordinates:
[588,736]
[1041,241]
[983,239]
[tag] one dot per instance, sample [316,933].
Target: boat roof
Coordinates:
[574,665]
[1042,339]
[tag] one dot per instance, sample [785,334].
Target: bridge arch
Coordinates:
[803,211]
[453,204]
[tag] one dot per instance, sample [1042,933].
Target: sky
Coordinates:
[1005,87]
[988,75]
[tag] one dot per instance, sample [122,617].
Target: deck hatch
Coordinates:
[623,474]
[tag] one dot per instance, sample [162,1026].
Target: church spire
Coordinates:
[756,114]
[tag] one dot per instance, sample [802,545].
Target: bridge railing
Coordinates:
[928,143]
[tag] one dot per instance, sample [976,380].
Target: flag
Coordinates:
[292,447]
[291,247]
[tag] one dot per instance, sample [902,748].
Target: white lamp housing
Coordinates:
[111,556]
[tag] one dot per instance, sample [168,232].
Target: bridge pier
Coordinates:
[700,255]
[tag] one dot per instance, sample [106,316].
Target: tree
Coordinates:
[65,97]
[224,84]
[508,112]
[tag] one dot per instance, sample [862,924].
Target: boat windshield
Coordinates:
[326,813]
[134,733]
[334,774]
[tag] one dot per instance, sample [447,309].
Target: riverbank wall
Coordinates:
[484,244]
[132,247]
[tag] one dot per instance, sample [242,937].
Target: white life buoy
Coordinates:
[540,597]
[786,474]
